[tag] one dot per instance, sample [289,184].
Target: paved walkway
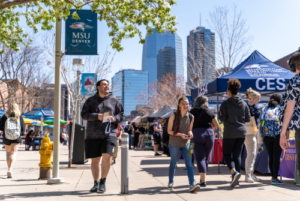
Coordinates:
[148,177]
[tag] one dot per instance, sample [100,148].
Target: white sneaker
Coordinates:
[255,178]
[9,174]
[248,178]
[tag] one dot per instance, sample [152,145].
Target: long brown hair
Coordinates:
[177,115]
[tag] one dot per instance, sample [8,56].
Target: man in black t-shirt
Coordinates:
[141,136]
[129,130]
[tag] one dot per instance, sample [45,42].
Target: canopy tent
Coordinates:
[157,114]
[256,72]
[40,114]
[62,122]
[2,112]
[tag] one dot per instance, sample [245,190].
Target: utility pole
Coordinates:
[57,101]
[78,102]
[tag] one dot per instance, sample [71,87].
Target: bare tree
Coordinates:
[20,72]
[233,42]
[162,93]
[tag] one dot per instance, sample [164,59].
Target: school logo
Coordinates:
[256,66]
[88,82]
[80,25]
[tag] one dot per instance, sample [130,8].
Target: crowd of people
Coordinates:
[190,133]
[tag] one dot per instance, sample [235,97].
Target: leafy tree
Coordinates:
[123,17]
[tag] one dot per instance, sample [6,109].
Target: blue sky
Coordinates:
[272,23]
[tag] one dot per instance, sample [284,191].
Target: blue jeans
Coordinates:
[174,152]
[65,142]
[130,139]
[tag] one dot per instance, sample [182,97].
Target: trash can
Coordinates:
[79,145]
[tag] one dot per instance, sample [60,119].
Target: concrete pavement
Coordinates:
[148,178]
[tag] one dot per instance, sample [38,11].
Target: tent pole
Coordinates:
[218,131]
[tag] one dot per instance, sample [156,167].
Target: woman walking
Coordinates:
[180,128]
[251,138]
[203,133]
[11,140]
[270,134]
[234,112]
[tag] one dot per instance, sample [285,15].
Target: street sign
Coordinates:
[87,82]
[81,35]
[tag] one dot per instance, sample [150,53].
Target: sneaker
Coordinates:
[95,187]
[102,187]
[276,182]
[255,178]
[235,178]
[194,188]
[184,170]
[202,184]
[237,185]
[170,186]
[157,154]
[248,178]
[9,174]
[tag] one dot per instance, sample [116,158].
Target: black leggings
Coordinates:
[234,147]
[274,151]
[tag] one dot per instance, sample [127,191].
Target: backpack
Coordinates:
[151,129]
[166,136]
[12,128]
[128,129]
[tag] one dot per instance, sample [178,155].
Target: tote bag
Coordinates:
[251,127]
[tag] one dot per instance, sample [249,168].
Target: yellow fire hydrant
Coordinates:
[45,160]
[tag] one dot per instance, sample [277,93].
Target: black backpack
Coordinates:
[151,130]
[128,129]
[166,135]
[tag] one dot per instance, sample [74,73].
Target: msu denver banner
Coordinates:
[81,35]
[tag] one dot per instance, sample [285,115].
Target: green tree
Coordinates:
[123,17]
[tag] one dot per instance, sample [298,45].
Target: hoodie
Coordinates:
[234,112]
[96,105]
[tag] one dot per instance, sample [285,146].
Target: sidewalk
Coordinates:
[148,178]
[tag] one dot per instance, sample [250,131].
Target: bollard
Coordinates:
[124,163]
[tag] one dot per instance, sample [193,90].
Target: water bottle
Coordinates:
[191,148]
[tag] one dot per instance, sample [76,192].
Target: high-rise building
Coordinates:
[162,53]
[201,60]
[126,85]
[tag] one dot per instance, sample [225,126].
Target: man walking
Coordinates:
[157,135]
[101,136]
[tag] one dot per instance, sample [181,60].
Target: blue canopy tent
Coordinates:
[40,114]
[256,72]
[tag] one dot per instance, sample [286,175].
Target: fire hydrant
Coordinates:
[45,161]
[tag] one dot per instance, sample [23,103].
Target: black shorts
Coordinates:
[96,147]
[157,139]
[9,142]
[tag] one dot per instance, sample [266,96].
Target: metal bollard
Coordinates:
[124,163]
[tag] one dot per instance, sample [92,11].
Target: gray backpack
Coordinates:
[12,128]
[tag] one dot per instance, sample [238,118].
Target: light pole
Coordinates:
[57,101]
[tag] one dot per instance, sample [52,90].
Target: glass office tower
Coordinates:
[126,85]
[201,62]
[162,53]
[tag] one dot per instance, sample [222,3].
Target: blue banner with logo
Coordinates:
[81,35]
[88,81]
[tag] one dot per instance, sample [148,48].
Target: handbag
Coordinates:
[251,127]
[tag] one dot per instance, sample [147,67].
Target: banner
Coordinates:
[87,81]
[81,35]
[288,160]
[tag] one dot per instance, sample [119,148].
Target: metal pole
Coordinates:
[42,127]
[57,101]
[124,163]
[218,135]
[78,92]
